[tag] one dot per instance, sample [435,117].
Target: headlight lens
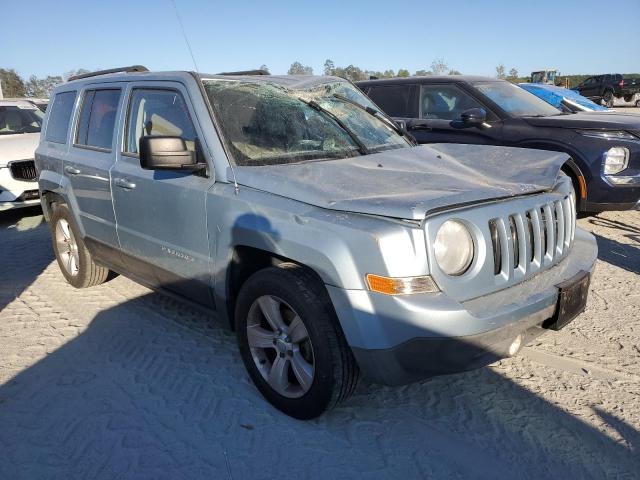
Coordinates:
[608,134]
[616,159]
[453,247]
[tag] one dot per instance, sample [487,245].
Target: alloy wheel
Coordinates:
[280,346]
[67,247]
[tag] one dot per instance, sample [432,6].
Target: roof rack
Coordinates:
[132,68]
[247,72]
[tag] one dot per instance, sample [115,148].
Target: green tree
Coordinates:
[439,66]
[264,67]
[404,73]
[329,67]
[12,83]
[42,87]
[454,72]
[513,74]
[297,68]
[500,71]
[423,73]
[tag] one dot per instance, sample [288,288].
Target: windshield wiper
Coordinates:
[377,114]
[362,148]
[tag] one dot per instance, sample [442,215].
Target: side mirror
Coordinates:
[474,117]
[166,153]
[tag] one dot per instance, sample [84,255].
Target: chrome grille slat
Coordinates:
[533,239]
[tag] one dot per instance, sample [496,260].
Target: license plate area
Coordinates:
[572,300]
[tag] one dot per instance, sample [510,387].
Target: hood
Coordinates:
[586,120]
[20,146]
[408,183]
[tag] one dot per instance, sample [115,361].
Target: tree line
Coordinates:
[14,86]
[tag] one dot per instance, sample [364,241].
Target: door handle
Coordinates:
[124,183]
[71,170]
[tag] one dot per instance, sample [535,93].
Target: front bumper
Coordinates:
[17,193]
[397,340]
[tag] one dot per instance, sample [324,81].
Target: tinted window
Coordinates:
[58,123]
[158,112]
[446,102]
[395,100]
[98,118]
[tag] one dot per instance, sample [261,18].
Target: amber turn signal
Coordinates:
[401,286]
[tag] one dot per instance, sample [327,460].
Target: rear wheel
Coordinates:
[638,103]
[291,342]
[72,255]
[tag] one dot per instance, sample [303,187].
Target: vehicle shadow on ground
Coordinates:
[153,389]
[22,230]
[622,255]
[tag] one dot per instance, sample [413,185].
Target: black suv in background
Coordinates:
[604,148]
[607,87]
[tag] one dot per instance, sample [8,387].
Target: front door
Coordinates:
[440,121]
[160,214]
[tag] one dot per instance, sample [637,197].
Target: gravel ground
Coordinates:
[120,382]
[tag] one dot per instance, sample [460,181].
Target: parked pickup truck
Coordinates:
[333,243]
[607,87]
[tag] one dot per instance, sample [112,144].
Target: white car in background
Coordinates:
[20,123]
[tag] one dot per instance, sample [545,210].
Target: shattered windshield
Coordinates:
[20,119]
[265,123]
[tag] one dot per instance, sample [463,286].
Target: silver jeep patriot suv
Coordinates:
[294,207]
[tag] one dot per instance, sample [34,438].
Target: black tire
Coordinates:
[628,98]
[638,103]
[335,369]
[88,273]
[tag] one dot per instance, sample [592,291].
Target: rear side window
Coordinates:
[396,100]
[98,118]
[59,117]
[158,112]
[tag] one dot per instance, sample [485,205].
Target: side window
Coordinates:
[158,112]
[395,100]
[98,118]
[446,102]
[59,117]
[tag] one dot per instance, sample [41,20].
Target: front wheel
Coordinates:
[74,260]
[291,342]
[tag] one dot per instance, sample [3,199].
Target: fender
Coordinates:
[573,165]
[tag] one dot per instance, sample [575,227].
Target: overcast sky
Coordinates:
[50,37]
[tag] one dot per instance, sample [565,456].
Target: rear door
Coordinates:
[440,108]
[161,214]
[398,101]
[90,157]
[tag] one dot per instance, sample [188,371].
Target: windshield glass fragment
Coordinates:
[264,123]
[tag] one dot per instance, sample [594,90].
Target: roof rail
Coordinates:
[132,68]
[247,72]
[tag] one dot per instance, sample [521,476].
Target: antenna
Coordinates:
[184,34]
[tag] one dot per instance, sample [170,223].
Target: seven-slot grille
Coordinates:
[24,170]
[529,241]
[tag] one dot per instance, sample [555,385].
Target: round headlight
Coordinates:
[453,247]
[616,159]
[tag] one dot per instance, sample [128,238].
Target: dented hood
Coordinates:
[408,183]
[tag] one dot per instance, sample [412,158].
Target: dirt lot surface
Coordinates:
[118,382]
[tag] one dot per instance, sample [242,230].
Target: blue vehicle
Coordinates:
[562,98]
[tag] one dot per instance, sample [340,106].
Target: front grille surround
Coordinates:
[514,240]
[24,170]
